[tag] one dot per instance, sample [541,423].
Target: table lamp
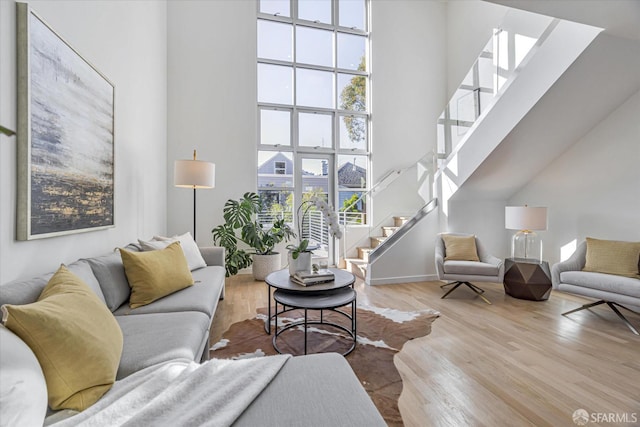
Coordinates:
[526,244]
[194,174]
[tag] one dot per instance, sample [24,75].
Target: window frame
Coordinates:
[337,113]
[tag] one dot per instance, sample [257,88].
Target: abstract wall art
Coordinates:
[65,136]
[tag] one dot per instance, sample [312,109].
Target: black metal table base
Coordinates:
[352,333]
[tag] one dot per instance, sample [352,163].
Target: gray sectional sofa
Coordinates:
[312,390]
[174,327]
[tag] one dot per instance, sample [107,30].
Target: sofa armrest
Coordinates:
[574,263]
[486,257]
[213,255]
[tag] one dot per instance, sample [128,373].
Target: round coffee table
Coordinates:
[281,280]
[322,300]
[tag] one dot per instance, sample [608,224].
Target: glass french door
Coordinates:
[315,177]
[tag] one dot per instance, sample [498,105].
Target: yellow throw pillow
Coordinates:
[155,274]
[460,248]
[75,337]
[613,257]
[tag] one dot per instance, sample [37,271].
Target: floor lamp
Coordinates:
[194,174]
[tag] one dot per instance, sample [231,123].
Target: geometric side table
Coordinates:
[527,279]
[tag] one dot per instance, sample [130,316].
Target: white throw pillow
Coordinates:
[154,245]
[189,247]
[23,390]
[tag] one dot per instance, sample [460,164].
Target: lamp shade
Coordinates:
[194,174]
[525,218]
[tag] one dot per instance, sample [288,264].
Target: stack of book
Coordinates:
[307,279]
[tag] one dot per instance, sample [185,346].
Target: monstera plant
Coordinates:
[242,226]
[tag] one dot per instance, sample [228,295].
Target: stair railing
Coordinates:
[384,182]
[428,164]
[403,230]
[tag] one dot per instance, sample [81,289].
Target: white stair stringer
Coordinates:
[563,45]
[404,256]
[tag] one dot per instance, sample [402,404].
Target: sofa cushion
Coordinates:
[202,296]
[82,269]
[109,271]
[159,337]
[612,257]
[336,398]
[23,390]
[189,247]
[21,292]
[460,248]
[600,281]
[75,338]
[153,275]
[470,268]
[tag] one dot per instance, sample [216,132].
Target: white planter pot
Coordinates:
[265,264]
[302,263]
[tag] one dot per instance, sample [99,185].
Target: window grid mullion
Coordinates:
[336,113]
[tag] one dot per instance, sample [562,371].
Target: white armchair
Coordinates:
[487,269]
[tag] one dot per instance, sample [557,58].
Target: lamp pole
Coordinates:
[194,213]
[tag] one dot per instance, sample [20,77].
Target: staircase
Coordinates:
[358,266]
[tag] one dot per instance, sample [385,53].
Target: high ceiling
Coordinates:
[599,81]
[620,18]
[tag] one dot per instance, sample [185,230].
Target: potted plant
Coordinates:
[299,255]
[241,225]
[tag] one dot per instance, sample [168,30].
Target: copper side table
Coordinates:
[527,279]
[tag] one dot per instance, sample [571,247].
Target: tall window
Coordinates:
[313,105]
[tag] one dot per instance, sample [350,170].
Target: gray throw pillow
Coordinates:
[109,271]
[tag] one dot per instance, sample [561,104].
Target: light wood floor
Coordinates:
[512,363]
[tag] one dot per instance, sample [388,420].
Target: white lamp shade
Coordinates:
[525,218]
[194,174]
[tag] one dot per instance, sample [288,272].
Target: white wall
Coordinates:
[211,105]
[431,45]
[126,41]
[592,190]
[470,25]
[407,80]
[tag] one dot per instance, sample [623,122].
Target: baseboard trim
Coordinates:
[401,279]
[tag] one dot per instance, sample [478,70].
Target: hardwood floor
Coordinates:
[512,363]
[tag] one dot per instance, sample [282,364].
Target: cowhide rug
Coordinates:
[381,334]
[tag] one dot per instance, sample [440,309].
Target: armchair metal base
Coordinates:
[613,307]
[473,287]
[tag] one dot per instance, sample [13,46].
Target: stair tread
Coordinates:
[356,261]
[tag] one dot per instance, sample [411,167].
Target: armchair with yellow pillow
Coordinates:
[462,259]
[605,270]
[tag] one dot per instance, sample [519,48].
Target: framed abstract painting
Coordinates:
[65,136]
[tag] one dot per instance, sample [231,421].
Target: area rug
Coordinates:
[381,334]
